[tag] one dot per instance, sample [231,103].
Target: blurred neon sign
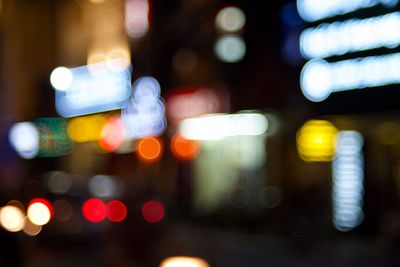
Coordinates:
[319,78]
[94,91]
[314,10]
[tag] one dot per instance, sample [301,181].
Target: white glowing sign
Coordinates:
[338,38]
[313,10]
[91,92]
[319,77]
[348,179]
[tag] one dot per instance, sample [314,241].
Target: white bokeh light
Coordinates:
[24,139]
[230,19]
[230,48]
[61,78]
[315,80]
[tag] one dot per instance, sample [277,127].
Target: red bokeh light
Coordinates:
[94,210]
[153,211]
[112,134]
[44,201]
[116,211]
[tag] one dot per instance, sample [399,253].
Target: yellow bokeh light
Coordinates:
[316,141]
[86,129]
[39,213]
[12,218]
[184,262]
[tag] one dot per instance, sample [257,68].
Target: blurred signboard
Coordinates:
[95,88]
[346,47]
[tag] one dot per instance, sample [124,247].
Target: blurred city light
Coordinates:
[230,48]
[53,137]
[144,115]
[104,89]
[40,211]
[184,149]
[153,211]
[219,126]
[94,210]
[348,181]
[137,17]
[149,149]
[230,19]
[320,78]
[87,128]
[12,218]
[24,139]
[112,134]
[59,182]
[30,228]
[116,211]
[63,210]
[61,78]
[313,10]
[182,261]
[103,186]
[352,35]
[316,141]
[192,102]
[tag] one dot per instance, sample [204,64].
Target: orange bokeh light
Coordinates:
[149,149]
[184,149]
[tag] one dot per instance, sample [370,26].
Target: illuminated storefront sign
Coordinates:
[324,73]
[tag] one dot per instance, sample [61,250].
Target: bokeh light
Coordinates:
[87,128]
[144,114]
[184,149]
[112,134]
[94,210]
[153,211]
[183,261]
[137,17]
[103,186]
[30,228]
[116,211]
[348,181]
[12,218]
[24,139]
[54,139]
[61,78]
[230,19]
[149,149]
[63,210]
[230,48]
[59,182]
[220,126]
[316,141]
[40,211]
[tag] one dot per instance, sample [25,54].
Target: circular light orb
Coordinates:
[230,48]
[146,89]
[24,139]
[116,211]
[184,149]
[30,228]
[40,211]
[149,149]
[230,19]
[61,78]
[182,261]
[12,218]
[59,182]
[316,80]
[112,135]
[94,210]
[153,211]
[103,186]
